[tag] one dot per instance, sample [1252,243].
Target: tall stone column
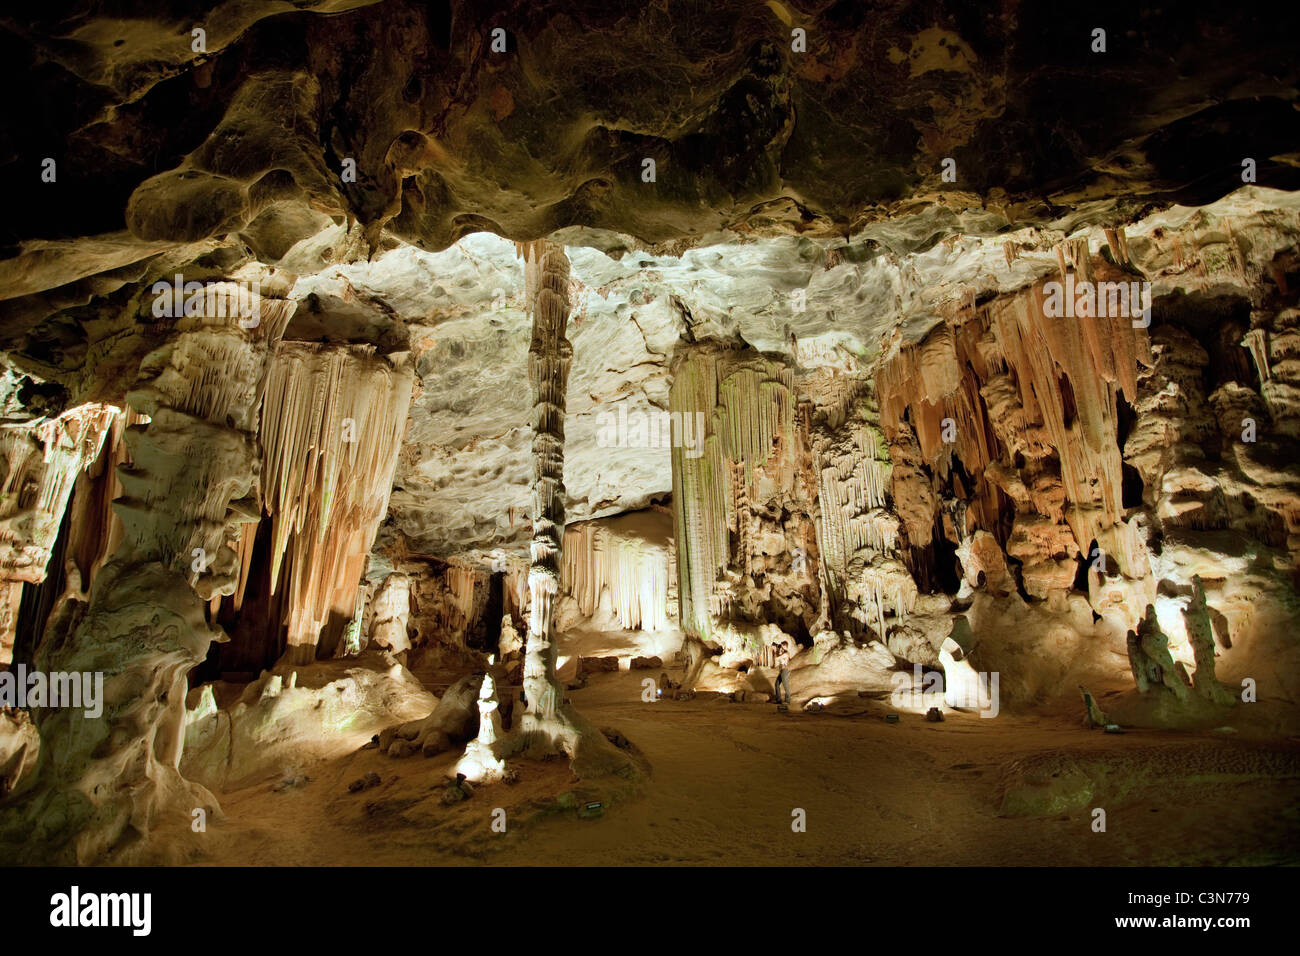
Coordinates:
[550,354]
[104,781]
[549,724]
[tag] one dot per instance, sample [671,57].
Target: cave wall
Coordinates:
[42,461]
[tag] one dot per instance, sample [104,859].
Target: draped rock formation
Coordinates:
[1017,415]
[749,458]
[863,577]
[617,562]
[785,514]
[41,463]
[331,431]
[104,782]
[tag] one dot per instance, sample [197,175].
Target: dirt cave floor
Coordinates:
[725,780]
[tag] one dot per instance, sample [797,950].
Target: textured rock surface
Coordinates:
[101,785]
[291,718]
[805,299]
[451,136]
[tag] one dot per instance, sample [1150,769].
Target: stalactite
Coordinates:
[1054,384]
[457,603]
[878,585]
[600,556]
[331,431]
[42,461]
[102,783]
[857,529]
[1256,341]
[96,528]
[1118,243]
[750,451]
[1070,372]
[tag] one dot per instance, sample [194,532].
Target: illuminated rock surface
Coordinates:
[581,373]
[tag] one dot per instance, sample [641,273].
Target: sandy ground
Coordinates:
[724,781]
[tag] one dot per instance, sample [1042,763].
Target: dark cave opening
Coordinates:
[1132,487]
[1084,567]
[487,637]
[1218,323]
[257,636]
[947,569]
[37,600]
[1069,409]
[1125,417]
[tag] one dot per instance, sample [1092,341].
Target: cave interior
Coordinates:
[656,420]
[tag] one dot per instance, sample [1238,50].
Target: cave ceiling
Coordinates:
[815,174]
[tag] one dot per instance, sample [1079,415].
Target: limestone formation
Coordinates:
[391,609]
[1200,634]
[629,572]
[102,783]
[1094,716]
[549,724]
[481,762]
[331,430]
[1149,657]
[383,378]
[452,721]
[42,460]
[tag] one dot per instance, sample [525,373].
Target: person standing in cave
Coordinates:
[782,663]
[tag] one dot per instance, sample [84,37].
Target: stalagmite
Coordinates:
[1094,716]
[481,762]
[961,684]
[549,724]
[1155,665]
[103,782]
[392,608]
[1200,634]
[510,643]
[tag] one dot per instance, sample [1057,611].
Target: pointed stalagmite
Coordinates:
[1200,634]
[1153,665]
[481,762]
